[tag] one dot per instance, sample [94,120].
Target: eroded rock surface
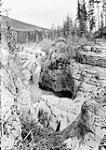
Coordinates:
[78,123]
[81,123]
[92,55]
[93,122]
[56,73]
[60,110]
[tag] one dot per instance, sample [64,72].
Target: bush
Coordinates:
[74,42]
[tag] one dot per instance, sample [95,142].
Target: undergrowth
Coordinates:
[39,136]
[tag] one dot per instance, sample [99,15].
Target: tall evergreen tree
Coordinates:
[67,27]
[82,17]
[104,11]
[79,11]
[91,15]
[101,20]
[84,11]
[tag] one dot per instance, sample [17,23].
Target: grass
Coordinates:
[39,136]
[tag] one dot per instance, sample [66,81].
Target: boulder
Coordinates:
[60,110]
[93,115]
[89,129]
[56,73]
[92,123]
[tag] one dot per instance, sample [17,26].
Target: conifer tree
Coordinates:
[91,15]
[104,11]
[82,17]
[11,41]
[67,27]
[84,11]
[101,20]
[79,10]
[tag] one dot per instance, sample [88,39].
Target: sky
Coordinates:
[42,13]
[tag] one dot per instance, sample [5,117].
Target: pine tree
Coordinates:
[104,11]
[82,17]
[101,20]
[53,32]
[84,11]
[11,41]
[67,27]
[79,11]
[91,15]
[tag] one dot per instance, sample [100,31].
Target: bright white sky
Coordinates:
[43,13]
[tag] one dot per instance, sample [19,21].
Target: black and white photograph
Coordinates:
[53,74]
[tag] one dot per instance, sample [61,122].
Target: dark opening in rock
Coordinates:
[63,94]
[58,93]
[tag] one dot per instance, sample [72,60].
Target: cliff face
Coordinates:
[78,123]
[56,72]
[81,121]
[92,122]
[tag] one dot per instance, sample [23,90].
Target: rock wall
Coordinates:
[80,122]
[56,73]
[90,127]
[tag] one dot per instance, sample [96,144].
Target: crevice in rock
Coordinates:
[61,94]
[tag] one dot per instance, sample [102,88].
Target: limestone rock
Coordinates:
[89,129]
[61,110]
[95,57]
[93,115]
[56,73]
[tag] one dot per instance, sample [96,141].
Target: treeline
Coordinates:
[31,36]
[85,21]
[26,36]
[83,25]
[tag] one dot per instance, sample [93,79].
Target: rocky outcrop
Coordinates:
[61,111]
[94,76]
[92,123]
[86,132]
[56,73]
[94,56]
[80,125]
[92,60]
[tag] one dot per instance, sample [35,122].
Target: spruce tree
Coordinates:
[101,20]
[67,27]
[79,11]
[91,15]
[104,11]
[82,17]
[84,11]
